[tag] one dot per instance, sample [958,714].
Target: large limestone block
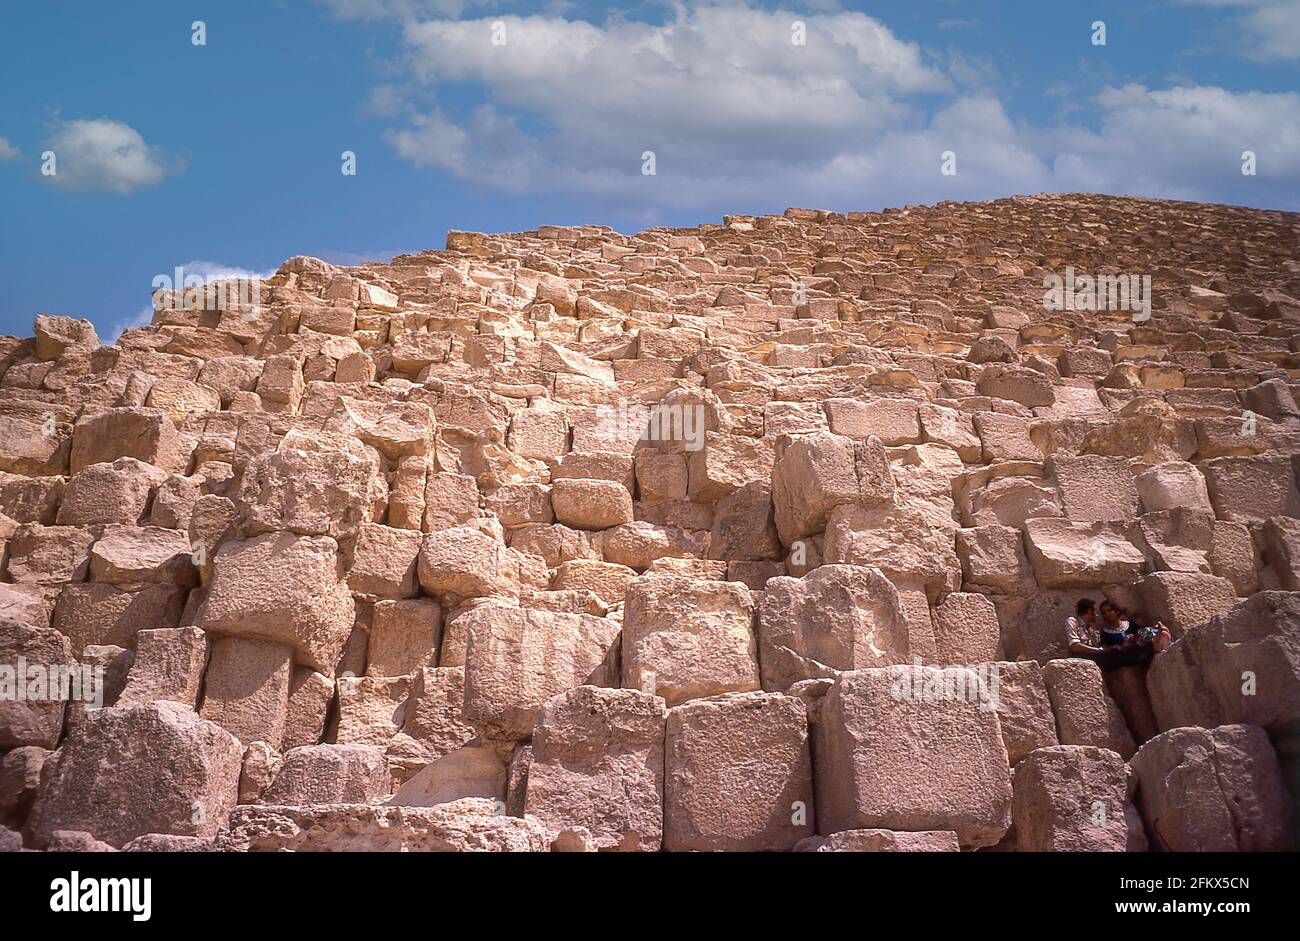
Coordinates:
[685,638]
[109,493]
[966,629]
[739,774]
[246,689]
[894,421]
[591,504]
[433,723]
[151,768]
[598,763]
[1252,488]
[285,588]
[517,658]
[1072,799]
[1081,555]
[56,335]
[897,541]
[330,774]
[1172,485]
[993,559]
[1241,666]
[479,768]
[1093,487]
[1214,790]
[464,563]
[837,617]
[168,664]
[725,463]
[1085,713]
[1184,599]
[384,562]
[371,708]
[1024,709]
[307,492]
[885,737]
[48,555]
[133,557]
[95,613]
[403,637]
[744,527]
[468,826]
[33,447]
[31,662]
[146,434]
[813,474]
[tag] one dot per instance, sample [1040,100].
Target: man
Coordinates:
[1079,633]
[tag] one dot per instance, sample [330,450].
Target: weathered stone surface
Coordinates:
[246,689]
[466,826]
[284,588]
[1085,713]
[518,658]
[151,768]
[813,474]
[684,638]
[881,841]
[31,660]
[597,762]
[1071,798]
[168,664]
[738,774]
[1214,790]
[837,617]
[1241,666]
[1024,709]
[762,454]
[881,745]
[330,774]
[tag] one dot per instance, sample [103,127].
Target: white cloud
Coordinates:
[740,119]
[105,155]
[1185,143]
[8,151]
[1269,29]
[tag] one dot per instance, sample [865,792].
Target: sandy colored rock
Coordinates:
[246,689]
[330,774]
[837,617]
[597,761]
[1071,798]
[1214,790]
[1085,713]
[884,736]
[685,638]
[738,774]
[518,658]
[282,588]
[151,768]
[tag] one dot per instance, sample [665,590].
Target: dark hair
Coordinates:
[1109,604]
[1084,606]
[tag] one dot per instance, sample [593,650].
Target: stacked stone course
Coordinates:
[569,540]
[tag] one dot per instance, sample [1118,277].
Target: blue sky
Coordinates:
[227,155]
